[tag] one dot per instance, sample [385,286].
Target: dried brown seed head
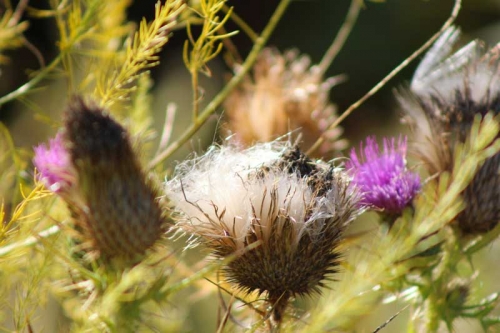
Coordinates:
[284,94]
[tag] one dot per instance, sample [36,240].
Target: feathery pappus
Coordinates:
[448,91]
[271,193]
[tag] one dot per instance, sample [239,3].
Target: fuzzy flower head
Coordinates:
[296,210]
[382,176]
[284,94]
[448,91]
[54,166]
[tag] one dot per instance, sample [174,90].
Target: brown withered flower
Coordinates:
[93,167]
[285,93]
[273,197]
[447,93]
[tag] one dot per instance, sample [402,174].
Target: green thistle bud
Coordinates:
[116,207]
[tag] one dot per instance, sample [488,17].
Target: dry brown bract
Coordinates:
[285,94]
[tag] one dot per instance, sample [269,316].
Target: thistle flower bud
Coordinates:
[113,204]
[271,195]
[285,94]
[382,176]
[447,92]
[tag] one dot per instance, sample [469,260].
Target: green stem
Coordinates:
[431,315]
[221,96]
[340,39]
[241,24]
[442,275]
[194,86]
[25,88]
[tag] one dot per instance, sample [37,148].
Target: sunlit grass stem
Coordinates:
[66,45]
[342,35]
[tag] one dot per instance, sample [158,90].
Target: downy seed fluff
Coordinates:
[270,193]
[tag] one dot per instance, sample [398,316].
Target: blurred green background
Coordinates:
[386,33]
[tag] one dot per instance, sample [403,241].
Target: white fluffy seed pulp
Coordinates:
[227,193]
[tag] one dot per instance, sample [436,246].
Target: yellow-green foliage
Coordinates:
[102,56]
[141,53]
[107,58]
[11,33]
[23,267]
[209,44]
[10,165]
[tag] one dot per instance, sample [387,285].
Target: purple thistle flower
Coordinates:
[382,177]
[54,164]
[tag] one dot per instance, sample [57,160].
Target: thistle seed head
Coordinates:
[285,93]
[295,208]
[447,92]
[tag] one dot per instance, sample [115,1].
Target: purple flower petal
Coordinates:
[382,177]
[53,163]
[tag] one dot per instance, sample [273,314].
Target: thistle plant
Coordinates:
[93,167]
[103,231]
[448,94]
[291,209]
